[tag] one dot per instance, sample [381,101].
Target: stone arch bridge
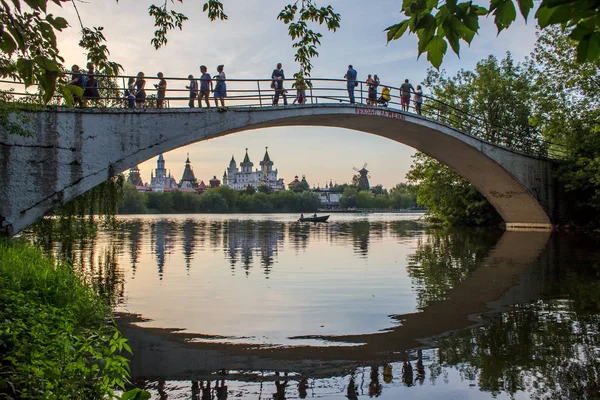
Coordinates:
[75,150]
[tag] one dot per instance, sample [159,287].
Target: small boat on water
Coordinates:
[323,218]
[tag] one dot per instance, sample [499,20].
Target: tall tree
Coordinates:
[567,111]
[499,94]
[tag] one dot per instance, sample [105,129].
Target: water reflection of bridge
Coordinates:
[466,296]
[544,348]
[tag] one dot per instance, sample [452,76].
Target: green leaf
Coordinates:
[436,49]
[425,35]
[58,23]
[25,69]
[135,394]
[395,32]
[37,4]
[7,43]
[66,94]
[46,64]
[525,6]
[543,15]
[505,14]
[588,48]
[580,31]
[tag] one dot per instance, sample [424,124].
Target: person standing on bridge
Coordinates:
[278,77]
[405,90]
[220,91]
[351,82]
[418,99]
[140,90]
[77,80]
[91,85]
[206,86]
[193,86]
[161,90]
[131,92]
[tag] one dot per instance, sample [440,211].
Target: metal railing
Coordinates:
[259,93]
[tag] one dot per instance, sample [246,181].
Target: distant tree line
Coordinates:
[402,196]
[218,200]
[226,200]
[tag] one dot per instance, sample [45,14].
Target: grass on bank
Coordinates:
[57,339]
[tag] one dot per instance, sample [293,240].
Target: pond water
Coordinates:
[380,305]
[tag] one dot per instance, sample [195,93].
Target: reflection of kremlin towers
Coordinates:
[240,178]
[160,181]
[246,239]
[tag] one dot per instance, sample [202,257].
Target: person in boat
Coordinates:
[302,216]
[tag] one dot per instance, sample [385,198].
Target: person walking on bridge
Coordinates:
[277,83]
[220,91]
[206,86]
[193,87]
[351,82]
[405,90]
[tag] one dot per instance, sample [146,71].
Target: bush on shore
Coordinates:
[57,339]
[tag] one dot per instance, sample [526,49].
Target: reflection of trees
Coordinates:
[359,232]
[298,234]
[544,349]
[76,240]
[444,259]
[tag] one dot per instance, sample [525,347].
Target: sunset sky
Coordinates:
[250,44]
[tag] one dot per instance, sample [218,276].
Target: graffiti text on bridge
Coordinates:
[378,112]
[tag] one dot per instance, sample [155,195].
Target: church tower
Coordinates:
[232,171]
[266,163]
[188,180]
[160,173]
[134,177]
[246,164]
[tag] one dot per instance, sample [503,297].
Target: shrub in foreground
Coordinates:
[56,337]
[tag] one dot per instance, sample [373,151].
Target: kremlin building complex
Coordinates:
[233,177]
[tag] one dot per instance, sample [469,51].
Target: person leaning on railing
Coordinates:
[405,89]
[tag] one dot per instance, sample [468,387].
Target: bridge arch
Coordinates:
[76,150]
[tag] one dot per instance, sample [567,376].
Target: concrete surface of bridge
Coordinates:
[73,151]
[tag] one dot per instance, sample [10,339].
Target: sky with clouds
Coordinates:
[250,43]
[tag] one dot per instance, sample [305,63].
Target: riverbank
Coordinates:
[57,337]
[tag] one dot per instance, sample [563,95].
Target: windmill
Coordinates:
[363,181]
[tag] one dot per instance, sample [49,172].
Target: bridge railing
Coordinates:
[259,93]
